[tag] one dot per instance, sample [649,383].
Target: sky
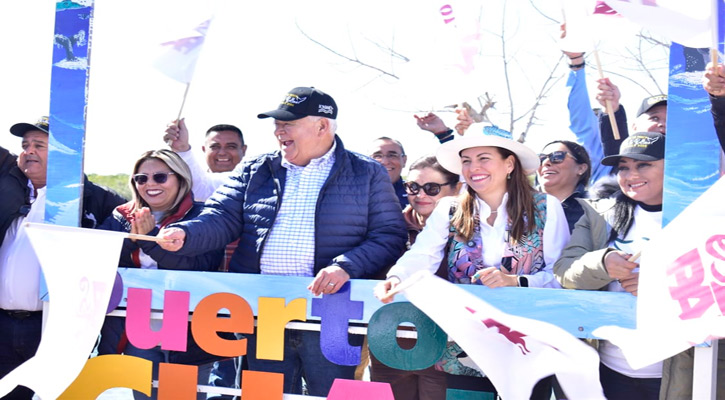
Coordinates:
[256,51]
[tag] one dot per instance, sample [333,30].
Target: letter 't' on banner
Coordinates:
[335,310]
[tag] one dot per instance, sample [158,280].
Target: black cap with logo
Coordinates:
[22,128]
[650,102]
[642,146]
[302,102]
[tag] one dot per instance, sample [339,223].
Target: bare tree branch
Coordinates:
[506,69]
[542,13]
[351,59]
[389,49]
[550,82]
[652,40]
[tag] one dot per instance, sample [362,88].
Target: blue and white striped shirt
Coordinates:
[290,247]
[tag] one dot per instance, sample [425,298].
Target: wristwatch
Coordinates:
[523,281]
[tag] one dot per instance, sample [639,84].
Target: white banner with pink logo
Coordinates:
[79,266]
[514,352]
[682,285]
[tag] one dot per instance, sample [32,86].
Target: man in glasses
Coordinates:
[310,209]
[223,150]
[390,154]
[22,184]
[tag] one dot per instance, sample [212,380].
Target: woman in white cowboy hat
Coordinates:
[498,232]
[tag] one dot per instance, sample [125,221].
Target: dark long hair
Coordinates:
[430,161]
[623,217]
[520,205]
[581,156]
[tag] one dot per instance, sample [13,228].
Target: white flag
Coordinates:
[179,56]
[685,22]
[79,266]
[681,286]
[514,352]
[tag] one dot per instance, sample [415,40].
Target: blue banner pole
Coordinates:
[68,100]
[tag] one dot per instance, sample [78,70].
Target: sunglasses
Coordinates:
[556,157]
[430,188]
[158,177]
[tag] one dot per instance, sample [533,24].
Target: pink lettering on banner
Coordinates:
[174,328]
[447,11]
[690,274]
[715,246]
[344,389]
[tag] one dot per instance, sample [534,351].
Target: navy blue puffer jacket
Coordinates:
[358,223]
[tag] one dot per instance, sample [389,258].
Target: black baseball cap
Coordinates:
[650,102]
[22,128]
[642,146]
[301,102]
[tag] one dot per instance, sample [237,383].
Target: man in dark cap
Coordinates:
[22,182]
[310,209]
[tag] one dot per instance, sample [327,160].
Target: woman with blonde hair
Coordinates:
[161,186]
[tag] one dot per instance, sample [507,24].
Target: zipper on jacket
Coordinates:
[278,192]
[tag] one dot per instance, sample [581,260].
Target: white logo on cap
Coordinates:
[325,109]
[292,100]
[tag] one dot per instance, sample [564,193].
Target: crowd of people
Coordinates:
[481,209]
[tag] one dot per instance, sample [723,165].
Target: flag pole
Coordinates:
[136,236]
[178,118]
[183,101]
[413,279]
[610,112]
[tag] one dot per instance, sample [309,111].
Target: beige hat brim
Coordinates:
[448,154]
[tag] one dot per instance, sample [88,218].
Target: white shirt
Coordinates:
[19,266]
[204,182]
[646,224]
[290,246]
[429,247]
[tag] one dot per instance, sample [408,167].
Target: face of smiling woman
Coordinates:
[641,180]
[159,196]
[485,170]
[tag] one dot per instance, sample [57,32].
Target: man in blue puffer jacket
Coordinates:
[312,209]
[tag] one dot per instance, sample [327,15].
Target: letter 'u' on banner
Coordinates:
[173,332]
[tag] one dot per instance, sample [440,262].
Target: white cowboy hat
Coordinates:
[448,154]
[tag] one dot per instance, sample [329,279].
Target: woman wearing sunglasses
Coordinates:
[427,183]
[564,173]
[161,187]
[498,232]
[600,254]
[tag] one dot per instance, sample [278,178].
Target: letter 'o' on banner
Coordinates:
[383,344]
